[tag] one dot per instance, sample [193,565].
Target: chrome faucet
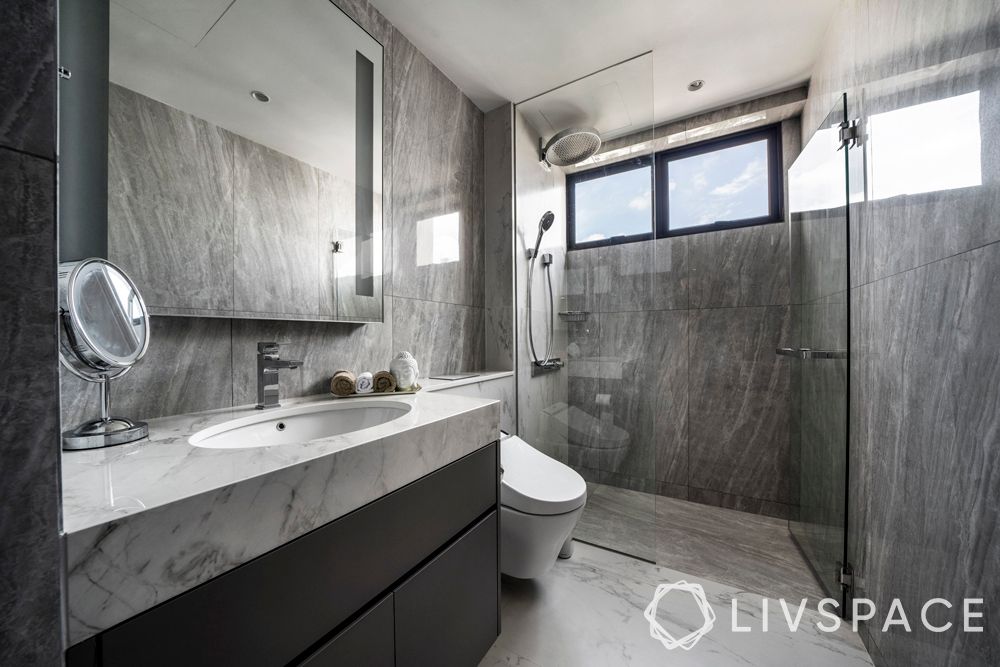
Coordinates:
[268,365]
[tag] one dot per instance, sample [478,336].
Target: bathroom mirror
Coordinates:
[244,155]
[104,332]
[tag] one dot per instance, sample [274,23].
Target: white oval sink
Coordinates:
[299,424]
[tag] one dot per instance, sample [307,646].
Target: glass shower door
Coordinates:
[819,207]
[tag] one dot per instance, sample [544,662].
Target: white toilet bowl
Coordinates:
[541,501]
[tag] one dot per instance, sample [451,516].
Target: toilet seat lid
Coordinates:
[535,483]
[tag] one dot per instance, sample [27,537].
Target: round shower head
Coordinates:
[546,221]
[572,145]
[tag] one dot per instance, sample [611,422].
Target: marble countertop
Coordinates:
[146,521]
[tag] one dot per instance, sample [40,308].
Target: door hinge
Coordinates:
[845,577]
[850,134]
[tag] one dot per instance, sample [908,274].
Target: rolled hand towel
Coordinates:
[365,384]
[343,383]
[384,382]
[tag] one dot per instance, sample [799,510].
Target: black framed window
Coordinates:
[732,181]
[612,204]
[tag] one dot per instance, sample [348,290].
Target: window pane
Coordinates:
[727,184]
[617,205]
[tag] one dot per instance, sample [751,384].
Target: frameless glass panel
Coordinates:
[819,264]
[597,413]
[727,184]
[616,204]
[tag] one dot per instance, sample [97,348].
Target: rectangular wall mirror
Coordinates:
[243,155]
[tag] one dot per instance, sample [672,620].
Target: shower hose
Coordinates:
[548,330]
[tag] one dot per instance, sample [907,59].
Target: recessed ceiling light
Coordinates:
[696,85]
[259,96]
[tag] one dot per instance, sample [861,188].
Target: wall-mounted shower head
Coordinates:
[571,146]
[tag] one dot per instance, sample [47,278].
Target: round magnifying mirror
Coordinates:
[105,331]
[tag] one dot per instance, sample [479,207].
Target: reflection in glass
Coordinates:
[926,147]
[727,184]
[817,178]
[437,239]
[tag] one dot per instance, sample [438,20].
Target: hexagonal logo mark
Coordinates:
[688,641]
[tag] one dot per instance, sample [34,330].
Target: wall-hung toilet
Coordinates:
[541,500]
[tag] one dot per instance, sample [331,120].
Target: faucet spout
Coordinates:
[268,365]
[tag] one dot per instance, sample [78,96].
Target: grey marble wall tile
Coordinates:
[188,368]
[437,198]
[276,202]
[170,202]
[27,76]
[622,279]
[323,347]
[670,276]
[444,337]
[498,195]
[30,613]
[818,257]
[581,266]
[739,267]
[648,393]
[925,346]
[738,406]
[438,207]
[427,104]
[544,414]
[499,338]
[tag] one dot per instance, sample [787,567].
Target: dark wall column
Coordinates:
[30,555]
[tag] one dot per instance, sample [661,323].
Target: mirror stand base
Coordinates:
[104,433]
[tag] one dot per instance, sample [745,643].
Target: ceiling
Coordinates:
[511,50]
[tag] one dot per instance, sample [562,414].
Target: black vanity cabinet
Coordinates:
[409,579]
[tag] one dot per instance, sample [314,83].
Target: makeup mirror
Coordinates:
[104,331]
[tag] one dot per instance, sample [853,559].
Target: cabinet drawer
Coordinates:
[268,611]
[447,613]
[367,641]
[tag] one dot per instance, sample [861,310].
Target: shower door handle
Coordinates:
[806,353]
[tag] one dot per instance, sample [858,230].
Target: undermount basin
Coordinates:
[299,424]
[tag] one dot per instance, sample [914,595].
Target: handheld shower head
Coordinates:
[543,226]
[546,221]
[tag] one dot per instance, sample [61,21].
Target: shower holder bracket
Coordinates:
[551,366]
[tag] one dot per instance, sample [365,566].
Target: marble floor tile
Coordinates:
[755,553]
[588,610]
[619,519]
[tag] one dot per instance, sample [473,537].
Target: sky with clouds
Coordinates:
[728,184]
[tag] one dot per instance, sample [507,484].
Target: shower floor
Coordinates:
[755,553]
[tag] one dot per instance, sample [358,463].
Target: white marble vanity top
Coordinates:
[149,520]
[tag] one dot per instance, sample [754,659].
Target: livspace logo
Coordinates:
[827,611]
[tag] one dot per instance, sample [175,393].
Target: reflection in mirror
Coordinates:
[245,158]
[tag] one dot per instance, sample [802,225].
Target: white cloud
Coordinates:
[595,237]
[642,202]
[752,172]
[673,185]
